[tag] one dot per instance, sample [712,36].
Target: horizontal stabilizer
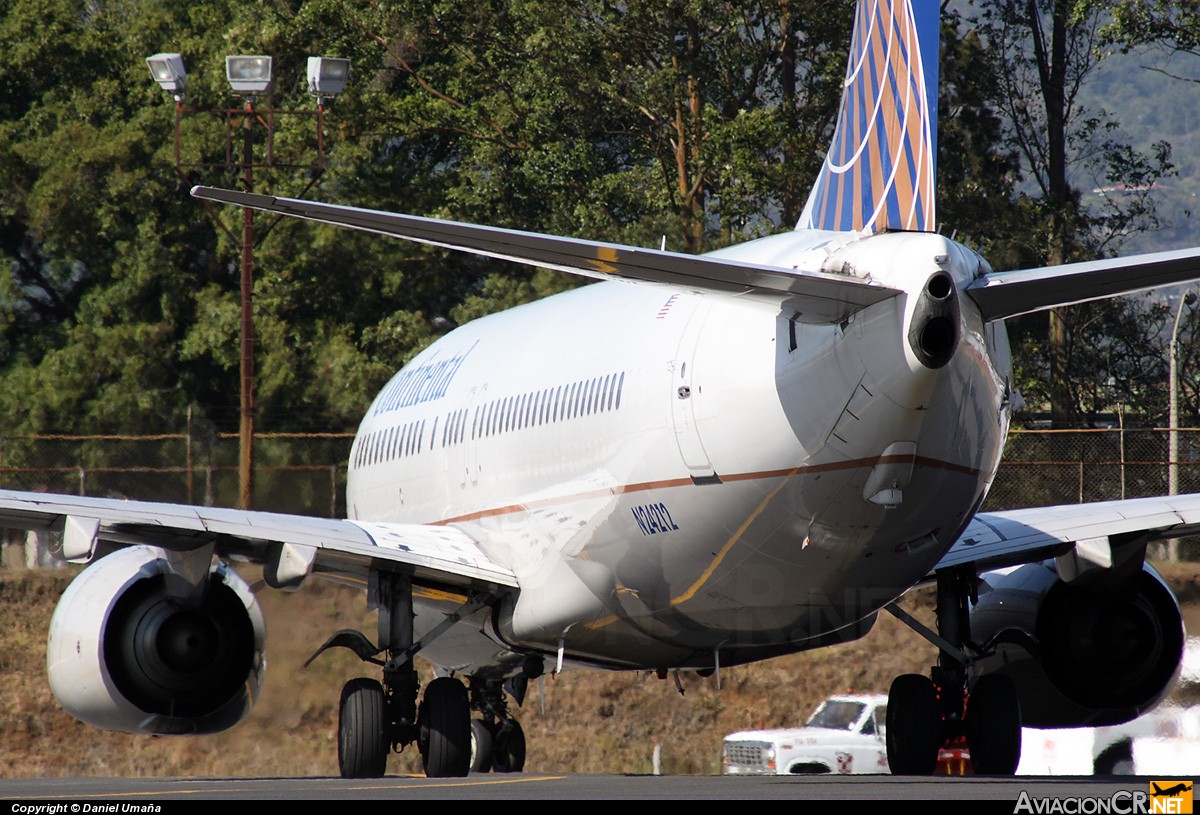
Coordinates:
[995,540]
[822,297]
[1009,294]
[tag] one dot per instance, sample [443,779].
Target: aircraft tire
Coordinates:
[445,729]
[994,726]
[508,756]
[362,730]
[913,726]
[481,746]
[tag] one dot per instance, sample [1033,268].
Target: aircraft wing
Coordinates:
[290,546]
[822,297]
[1009,294]
[995,540]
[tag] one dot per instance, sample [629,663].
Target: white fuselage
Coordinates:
[670,473]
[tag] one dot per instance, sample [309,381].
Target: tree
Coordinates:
[977,167]
[1049,49]
[622,122]
[1168,24]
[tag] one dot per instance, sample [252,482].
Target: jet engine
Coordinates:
[1080,655]
[136,647]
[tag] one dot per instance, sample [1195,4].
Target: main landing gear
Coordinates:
[926,713]
[376,717]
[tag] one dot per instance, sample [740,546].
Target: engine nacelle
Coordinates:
[134,648]
[1080,656]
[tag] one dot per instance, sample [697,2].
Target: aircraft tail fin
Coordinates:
[879,171]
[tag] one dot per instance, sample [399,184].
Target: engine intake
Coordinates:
[126,653]
[1080,656]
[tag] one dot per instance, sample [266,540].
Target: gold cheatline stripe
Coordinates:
[753,516]
[669,483]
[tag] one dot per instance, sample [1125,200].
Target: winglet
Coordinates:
[879,171]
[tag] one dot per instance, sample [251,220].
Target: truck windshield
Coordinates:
[836,715]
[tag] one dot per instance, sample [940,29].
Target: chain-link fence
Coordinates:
[1043,467]
[305,473]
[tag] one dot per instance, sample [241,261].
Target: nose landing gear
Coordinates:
[498,741]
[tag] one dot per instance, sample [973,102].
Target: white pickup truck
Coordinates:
[844,735]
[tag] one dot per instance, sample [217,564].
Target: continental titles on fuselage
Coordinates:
[421,383]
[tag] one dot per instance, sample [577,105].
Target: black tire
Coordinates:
[994,726]
[445,729]
[913,726]
[508,755]
[362,730]
[481,746]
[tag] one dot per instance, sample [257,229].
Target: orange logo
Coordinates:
[1174,797]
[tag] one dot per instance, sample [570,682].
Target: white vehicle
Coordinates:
[844,735]
[703,461]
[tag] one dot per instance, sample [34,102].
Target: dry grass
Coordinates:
[593,722]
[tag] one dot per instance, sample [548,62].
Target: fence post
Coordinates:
[333,513]
[191,459]
[82,481]
[1121,430]
[1080,481]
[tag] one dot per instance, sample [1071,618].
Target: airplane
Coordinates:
[1170,791]
[700,462]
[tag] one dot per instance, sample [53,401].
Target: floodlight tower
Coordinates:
[250,76]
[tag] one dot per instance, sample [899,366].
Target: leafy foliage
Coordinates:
[624,122]
[697,122]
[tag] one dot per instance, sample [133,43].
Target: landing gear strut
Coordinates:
[926,713]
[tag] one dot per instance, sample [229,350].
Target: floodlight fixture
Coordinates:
[168,71]
[248,74]
[327,76]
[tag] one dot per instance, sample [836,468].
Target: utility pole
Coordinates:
[250,76]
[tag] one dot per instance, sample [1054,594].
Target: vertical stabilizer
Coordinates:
[879,172]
